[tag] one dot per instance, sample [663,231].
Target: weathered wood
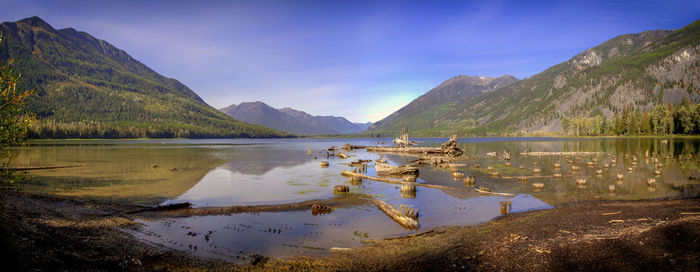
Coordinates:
[527,177]
[399,182]
[402,141]
[351,147]
[393,181]
[345,201]
[340,249]
[411,150]
[432,231]
[492,193]
[396,215]
[558,153]
[387,169]
[42,167]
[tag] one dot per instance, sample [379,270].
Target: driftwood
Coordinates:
[432,231]
[440,161]
[410,150]
[168,207]
[399,182]
[42,167]
[345,201]
[384,168]
[558,153]
[396,215]
[339,249]
[351,147]
[403,141]
[528,177]
[393,181]
[492,193]
[449,148]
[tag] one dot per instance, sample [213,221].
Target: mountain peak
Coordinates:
[631,71]
[36,22]
[103,84]
[456,89]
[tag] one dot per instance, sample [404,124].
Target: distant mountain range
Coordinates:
[291,120]
[637,71]
[87,88]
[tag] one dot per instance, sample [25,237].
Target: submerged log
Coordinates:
[336,202]
[392,181]
[42,167]
[411,150]
[399,182]
[558,153]
[384,168]
[167,207]
[351,147]
[396,215]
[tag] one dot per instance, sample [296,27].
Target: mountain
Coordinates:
[330,124]
[87,88]
[456,90]
[291,120]
[363,126]
[633,71]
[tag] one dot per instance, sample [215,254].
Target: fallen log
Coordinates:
[396,215]
[41,167]
[399,182]
[393,181]
[558,153]
[410,150]
[492,193]
[345,201]
[384,168]
[404,237]
[351,147]
[527,177]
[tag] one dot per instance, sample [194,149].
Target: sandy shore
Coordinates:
[49,233]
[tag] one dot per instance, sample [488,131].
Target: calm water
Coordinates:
[252,172]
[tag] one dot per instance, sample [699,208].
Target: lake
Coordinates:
[215,173]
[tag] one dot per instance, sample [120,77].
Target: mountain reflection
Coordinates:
[258,160]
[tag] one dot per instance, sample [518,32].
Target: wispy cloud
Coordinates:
[358,59]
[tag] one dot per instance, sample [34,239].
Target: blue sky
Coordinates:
[357,59]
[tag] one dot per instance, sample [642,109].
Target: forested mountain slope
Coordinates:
[87,88]
[458,89]
[632,72]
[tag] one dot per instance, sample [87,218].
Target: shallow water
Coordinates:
[252,172]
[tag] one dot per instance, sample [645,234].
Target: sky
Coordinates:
[361,60]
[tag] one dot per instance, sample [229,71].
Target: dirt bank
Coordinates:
[61,234]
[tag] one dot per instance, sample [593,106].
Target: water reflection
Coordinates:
[284,171]
[261,159]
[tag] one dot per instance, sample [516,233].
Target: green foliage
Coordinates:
[574,95]
[662,120]
[13,120]
[87,88]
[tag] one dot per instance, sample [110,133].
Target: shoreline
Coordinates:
[52,233]
[387,137]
